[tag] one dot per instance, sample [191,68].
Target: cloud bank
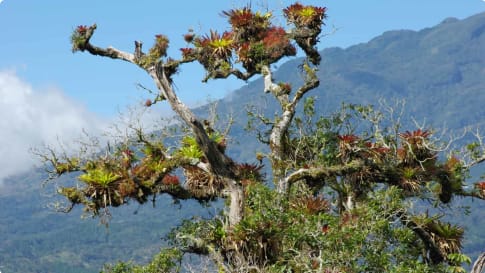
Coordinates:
[33,118]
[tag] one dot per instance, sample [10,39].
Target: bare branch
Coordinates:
[479,264]
[472,193]
[110,52]
[311,82]
[475,151]
[218,74]
[321,173]
[280,130]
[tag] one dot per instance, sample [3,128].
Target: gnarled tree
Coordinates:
[339,201]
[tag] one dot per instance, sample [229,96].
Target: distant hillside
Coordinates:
[440,71]
[33,238]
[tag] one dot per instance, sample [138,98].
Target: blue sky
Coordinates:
[41,78]
[35,39]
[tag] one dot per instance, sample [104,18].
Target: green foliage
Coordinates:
[167,260]
[157,51]
[190,149]
[298,236]
[458,259]
[80,37]
[101,177]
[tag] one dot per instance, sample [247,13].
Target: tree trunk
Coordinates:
[236,206]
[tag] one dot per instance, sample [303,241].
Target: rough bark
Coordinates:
[479,264]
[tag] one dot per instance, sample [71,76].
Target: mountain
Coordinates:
[439,71]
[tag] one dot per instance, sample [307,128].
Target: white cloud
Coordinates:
[32,118]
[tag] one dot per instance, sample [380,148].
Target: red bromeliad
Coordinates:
[170,180]
[82,29]
[348,138]
[305,16]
